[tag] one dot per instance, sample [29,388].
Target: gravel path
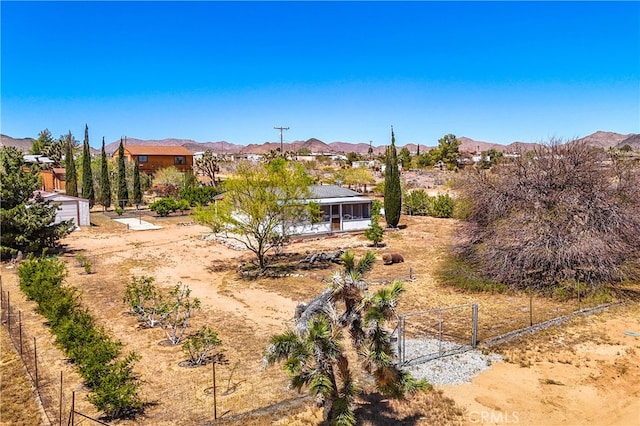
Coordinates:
[453,369]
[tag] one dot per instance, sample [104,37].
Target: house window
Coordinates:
[326,213]
[142,159]
[180,159]
[356,211]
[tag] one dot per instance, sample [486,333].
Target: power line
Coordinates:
[281,129]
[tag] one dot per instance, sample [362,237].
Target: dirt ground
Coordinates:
[586,372]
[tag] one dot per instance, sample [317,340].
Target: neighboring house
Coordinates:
[53,179]
[342,210]
[69,208]
[151,158]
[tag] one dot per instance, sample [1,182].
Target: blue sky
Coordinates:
[337,71]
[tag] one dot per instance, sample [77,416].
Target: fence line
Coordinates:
[429,339]
[50,396]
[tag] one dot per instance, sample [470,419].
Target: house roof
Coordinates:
[57,196]
[156,150]
[331,191]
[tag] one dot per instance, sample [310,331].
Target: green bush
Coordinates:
[114,388]
[416,203]
[201,195]
[164,206]
[199,346]
[441,206]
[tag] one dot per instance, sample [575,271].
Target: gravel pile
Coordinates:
[449,370]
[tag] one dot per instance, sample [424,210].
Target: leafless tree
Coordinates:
[564,212]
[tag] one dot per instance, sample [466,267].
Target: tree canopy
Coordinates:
[26,221]
[562,214]
[261,203]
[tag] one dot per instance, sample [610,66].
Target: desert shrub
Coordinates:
[416,203]
[164,206]
[199,346]
[564,212]
[114,387]
[441,206]
[200,195]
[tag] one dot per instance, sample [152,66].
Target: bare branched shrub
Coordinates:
[565,212]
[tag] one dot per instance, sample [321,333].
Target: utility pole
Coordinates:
[281,129]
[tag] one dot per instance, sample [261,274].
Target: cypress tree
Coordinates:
[392,191]
[123,194]
[71,176]
[87,174]
[137,191]
[105,184]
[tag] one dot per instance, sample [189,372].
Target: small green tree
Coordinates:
[105,182]
[375,232]
[123,193]
[26,222]
[448,147]
[146,301]
[181,307]
[71,178]
[392,189]
[87,175]
[261,205]
[405,157]
[199,346]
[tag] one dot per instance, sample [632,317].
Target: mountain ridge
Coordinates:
[601,139]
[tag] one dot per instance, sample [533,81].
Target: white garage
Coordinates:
[70,208]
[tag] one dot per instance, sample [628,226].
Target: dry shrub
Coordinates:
[561,213]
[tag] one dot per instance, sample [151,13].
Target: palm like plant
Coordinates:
[314,354]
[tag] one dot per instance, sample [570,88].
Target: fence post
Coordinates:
[35,361]
[9,314]
[20,328]
[60,407]
[474,332]
[440,333]
[400,339]
[73,408]
[215,408]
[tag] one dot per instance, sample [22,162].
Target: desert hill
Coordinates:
[599,139]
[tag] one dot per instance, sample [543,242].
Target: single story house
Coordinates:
[342,210]
[69,208]
[151,158]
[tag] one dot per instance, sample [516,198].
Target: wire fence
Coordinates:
[426,335]
[49,390]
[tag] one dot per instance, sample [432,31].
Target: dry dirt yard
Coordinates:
[584,372]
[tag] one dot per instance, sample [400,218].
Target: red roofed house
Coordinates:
[151,158]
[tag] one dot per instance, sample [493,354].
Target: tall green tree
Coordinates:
[41,144]
[261,206]
[392,190]
[137,189]
[26,222]
[123,193]
[448,147]
[405,157]
[105,182]
[71,175]
[315,356]
[87,175]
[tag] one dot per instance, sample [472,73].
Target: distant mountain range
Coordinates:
[598,139]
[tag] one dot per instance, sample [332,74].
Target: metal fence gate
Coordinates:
[423,336]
